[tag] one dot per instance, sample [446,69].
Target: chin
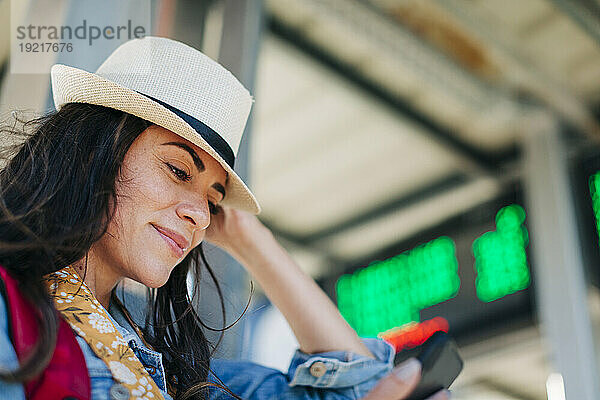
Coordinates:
[154,278]
[155,284]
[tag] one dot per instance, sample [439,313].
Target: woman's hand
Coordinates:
[231,228]
[400,382]
[315,320]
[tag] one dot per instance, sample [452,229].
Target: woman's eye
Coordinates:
[180,174]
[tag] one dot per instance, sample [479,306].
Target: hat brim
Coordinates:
[74,85]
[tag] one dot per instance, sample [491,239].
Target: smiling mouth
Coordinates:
[172,244]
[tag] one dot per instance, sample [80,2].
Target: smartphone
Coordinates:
[441,364]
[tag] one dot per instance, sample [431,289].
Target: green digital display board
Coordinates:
[390,293]
[595,193]
[500,256]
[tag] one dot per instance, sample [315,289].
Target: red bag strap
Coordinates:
[66,376]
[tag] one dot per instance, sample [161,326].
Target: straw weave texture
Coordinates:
[178,75]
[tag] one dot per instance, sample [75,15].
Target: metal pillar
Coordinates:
[115,12]
[26,93]
[559,274]
[241,23]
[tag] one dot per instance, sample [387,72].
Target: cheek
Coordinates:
[145,189]
[121,240]
[143,193]
[144,179]
[135,250]
[132,242]
[198,237]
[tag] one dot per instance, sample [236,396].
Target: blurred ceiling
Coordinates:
[376,120]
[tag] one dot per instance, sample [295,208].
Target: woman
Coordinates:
[126,180]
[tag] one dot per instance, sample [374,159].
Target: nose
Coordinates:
[196,213]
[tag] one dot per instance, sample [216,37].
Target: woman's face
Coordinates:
[165,194]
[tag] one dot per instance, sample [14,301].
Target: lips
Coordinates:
[178,242]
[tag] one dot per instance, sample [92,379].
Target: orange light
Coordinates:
[414,334]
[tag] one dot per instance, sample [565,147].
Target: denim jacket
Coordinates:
[325,376]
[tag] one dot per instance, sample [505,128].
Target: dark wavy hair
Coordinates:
[57,197]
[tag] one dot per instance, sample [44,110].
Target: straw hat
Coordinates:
[175,86]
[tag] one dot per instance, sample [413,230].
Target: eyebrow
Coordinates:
[197,162]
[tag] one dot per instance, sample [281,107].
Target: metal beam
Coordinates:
[586,14]
[482,162]
[297,241]
[466,217]
[521,76]
[446,183]
[450,182]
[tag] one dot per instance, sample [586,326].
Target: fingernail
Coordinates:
[408,369]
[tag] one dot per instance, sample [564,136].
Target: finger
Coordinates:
[398,383]
[441,395]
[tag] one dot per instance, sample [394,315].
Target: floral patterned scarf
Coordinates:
[89,319]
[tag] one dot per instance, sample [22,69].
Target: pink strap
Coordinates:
[66,375]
